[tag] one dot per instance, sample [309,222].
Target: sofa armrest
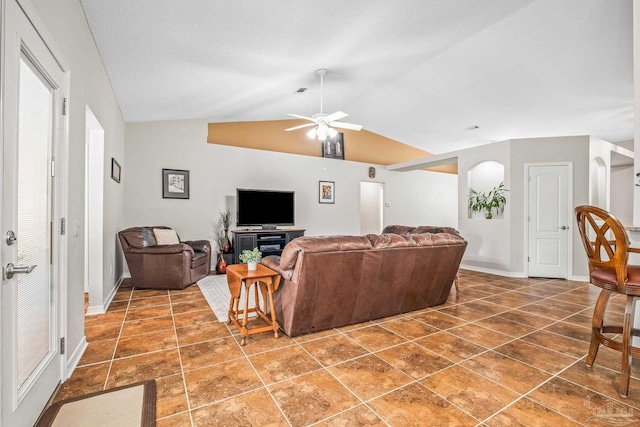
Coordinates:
[162,249]
[273,262]
[199,245]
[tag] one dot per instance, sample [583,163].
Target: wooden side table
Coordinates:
[238,277]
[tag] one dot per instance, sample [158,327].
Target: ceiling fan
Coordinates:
[324,124]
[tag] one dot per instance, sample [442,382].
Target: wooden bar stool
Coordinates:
[608,269]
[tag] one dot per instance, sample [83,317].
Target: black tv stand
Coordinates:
[269,241]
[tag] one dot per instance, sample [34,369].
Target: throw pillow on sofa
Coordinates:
[166,236]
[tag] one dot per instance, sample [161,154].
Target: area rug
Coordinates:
[216,291]
[133,405]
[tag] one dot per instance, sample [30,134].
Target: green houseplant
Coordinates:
[251,257]
[225,223]
[488,202]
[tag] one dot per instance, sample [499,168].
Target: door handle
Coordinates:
[11,270]
[564,227]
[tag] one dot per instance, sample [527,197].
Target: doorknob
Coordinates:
[18,269]
[564,227]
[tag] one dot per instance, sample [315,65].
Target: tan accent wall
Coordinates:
[362,146]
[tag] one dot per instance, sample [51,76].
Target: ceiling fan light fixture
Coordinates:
[312,133]
[322,132]
[332,132]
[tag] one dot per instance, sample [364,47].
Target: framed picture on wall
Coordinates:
[327,192]
[115,170]
[333,148]
[175,184]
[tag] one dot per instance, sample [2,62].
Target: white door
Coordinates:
[32,128]
[371,207]
[549,220]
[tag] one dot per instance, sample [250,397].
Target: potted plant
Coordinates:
[225,223]
[251,257]
[221,238]
[487,202]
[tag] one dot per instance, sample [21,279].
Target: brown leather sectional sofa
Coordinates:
[334,281]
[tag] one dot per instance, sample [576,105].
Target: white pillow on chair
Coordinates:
[166,236]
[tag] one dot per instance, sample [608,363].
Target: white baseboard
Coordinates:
[101,309]
[492,271]
[579,278]
[513,274]
[74,358]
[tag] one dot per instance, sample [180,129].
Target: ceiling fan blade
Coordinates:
[342,125]
[304,117]
[301,126]
[335,116]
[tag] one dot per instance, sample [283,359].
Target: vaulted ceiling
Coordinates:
[423,72]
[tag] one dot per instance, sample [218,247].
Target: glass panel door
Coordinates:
[35,297]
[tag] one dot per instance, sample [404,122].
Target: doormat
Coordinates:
[133,405]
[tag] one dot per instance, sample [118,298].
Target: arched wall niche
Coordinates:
[483,177]
[599,183]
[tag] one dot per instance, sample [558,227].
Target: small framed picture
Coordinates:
[175,184]
[115,170]
[327,192]
[333,148]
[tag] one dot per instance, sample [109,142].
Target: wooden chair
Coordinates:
[608,270]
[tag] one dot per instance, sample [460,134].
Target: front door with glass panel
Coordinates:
[31,360]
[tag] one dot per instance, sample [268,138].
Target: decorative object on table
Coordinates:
[333,147]
[251,257]
[487,202]
[225,222]
[175,184]
[372,172]
[327,192]
[115,170]
[221,239]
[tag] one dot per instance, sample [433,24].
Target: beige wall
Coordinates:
[414,198]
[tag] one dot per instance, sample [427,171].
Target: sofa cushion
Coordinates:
[165,236]
[139,237]
[391,240]
[313,244]
[440,239]
[398,229]
[435,230]
[198,259]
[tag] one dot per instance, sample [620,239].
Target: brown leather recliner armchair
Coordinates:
[172,266]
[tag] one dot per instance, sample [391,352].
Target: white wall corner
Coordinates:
[101,309]
[74,358]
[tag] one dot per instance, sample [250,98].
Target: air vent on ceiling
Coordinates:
[302,89]
[474,127]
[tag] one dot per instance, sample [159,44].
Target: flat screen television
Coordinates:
[266,208]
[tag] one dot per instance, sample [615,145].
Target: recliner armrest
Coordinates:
[199,245]
[273,262]
[162,249]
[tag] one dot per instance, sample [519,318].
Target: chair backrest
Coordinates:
[604,253]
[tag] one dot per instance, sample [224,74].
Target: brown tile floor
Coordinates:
[504,352]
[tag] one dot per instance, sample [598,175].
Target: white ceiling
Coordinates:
[418,71]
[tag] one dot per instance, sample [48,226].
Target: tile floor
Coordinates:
[505,352]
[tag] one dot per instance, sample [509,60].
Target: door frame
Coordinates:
[59,208]
[571,225]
